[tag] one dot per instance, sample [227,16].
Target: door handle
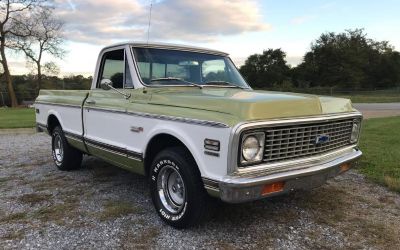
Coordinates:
[91,102]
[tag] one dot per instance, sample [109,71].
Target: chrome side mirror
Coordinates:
[106,84]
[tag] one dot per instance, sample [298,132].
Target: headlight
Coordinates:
[355,131]
[252,148]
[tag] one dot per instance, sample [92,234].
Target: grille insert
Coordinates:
[290,142]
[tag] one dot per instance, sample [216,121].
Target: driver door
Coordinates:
[104,113]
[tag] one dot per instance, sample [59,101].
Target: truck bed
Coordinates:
[65,103]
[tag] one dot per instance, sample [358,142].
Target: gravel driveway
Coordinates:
[103,207]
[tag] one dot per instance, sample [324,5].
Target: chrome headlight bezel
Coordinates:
[355,131]
[259,155]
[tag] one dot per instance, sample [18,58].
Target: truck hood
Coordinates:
[247,105]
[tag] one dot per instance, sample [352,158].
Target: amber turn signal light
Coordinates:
[273,188]
[344,167]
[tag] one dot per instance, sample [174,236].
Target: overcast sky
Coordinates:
[239,27]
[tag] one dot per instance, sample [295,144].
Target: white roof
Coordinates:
[168,46]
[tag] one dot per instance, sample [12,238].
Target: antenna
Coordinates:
[148,28]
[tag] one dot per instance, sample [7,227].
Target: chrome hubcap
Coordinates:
[171,189]
[58,149]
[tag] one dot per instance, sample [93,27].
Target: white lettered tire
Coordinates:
[177,191]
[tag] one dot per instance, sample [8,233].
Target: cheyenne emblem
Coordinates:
[321,139]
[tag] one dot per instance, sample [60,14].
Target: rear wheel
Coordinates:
[64,156]
[177,191]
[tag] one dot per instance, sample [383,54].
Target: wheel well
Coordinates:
[52,122]
[157,144]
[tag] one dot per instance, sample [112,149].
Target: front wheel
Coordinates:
[177,191]
[65,157]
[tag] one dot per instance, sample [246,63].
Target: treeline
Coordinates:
[26,87]
[348,60]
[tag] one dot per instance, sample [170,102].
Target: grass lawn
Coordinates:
[380,143]
[17,118]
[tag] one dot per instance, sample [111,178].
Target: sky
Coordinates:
[239,27]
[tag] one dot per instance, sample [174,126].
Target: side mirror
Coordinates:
[106,84]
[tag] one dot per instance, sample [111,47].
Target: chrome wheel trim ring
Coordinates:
[171,189]
[58,148]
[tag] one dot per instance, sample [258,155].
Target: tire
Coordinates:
[177,191]
[65,157]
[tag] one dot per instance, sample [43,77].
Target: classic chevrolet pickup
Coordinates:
[184,117]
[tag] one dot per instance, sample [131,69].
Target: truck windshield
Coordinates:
[174,67]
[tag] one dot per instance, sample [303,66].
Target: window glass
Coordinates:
[158,70]
[175,67]
[214,70]
[113,68]
[144,70]
[128,78]
[174,70]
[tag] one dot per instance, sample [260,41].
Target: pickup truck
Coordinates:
[184,117]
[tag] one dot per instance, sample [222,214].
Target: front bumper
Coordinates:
[236,189]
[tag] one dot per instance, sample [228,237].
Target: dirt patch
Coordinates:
[116,209]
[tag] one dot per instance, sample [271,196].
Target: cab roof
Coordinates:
[172,46]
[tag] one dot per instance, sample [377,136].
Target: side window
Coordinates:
[128,77]
[113,68]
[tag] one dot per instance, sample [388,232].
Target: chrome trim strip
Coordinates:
[58,104]
[211,153]
[233,150]
[73,136]
[40,127]
[179,48]
[164,117]
[181,119]
[104,149]
[210,183]
[114,149]
[107,147]
[41,124]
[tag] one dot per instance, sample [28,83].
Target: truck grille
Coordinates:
[290,142]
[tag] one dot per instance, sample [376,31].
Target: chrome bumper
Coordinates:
[236,189]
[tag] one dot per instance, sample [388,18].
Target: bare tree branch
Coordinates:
[13,12]
[39,33]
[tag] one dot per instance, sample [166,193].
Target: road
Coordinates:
[371,110]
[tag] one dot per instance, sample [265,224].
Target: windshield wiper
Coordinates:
[223,83]
[176,79]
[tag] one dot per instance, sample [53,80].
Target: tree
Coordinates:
[10,12]
[349,60]
[266,70]
[42,35]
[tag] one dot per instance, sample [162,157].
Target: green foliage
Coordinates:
[347,60]
[26,86]
[380,145]
[266,70]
